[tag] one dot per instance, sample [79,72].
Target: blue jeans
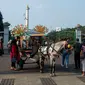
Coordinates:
[65,58]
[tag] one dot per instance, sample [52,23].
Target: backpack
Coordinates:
[77,47]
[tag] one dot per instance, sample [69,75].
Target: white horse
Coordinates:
[52,52]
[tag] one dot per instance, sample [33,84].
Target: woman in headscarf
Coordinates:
[14,54]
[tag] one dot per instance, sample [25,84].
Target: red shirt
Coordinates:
[14,52]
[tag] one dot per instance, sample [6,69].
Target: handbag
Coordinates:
[82,55]
[14,59]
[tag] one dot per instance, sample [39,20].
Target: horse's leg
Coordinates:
[40,60]
[50,70]
[51,67]
[41,64]
[54,66]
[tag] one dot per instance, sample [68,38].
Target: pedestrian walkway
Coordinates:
[43,79]
[31,76]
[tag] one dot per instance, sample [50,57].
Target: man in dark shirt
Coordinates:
[77,49]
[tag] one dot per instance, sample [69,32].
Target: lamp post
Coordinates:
[78,32]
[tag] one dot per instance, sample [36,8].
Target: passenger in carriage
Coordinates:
[35,46]
[24,44]
[18,42]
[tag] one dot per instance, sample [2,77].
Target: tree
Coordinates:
[18,30]
[53,36]
[41,28]
[61,35]
[1,22]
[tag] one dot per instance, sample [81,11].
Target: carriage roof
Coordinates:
[37,35]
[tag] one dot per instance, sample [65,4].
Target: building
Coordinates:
[6,34]
[4,31]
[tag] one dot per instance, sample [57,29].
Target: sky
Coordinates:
[51,13]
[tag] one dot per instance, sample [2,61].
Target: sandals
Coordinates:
[12,68]
[83,75]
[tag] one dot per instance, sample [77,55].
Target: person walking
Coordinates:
[65,56]
[83,59]
[1,48]
[14,54]
[77,50]
[2,45]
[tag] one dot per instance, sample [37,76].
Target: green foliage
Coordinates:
[68,33]
[52,36]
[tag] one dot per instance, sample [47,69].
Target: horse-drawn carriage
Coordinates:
[31,52]
[38,53]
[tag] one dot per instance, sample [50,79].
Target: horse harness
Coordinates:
[48,49]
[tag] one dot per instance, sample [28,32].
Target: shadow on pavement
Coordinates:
[35,69]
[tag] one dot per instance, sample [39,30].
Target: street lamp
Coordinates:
[78,32]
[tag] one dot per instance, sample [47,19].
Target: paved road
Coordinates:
[5,66]
[31,76]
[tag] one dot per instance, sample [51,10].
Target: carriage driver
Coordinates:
[35,46]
